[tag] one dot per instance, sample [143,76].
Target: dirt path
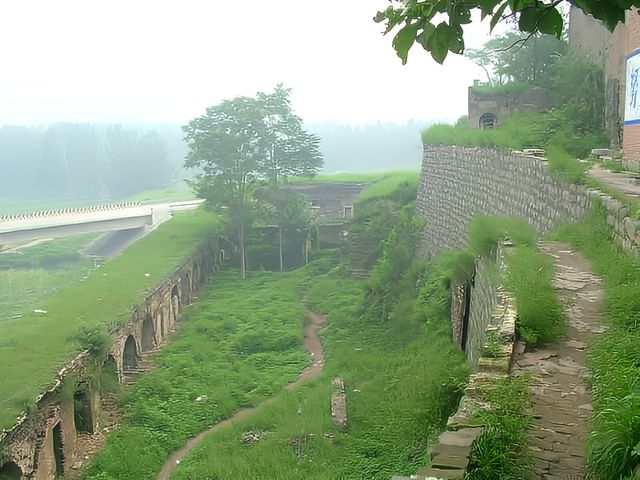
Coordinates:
[314,347]
[561,401]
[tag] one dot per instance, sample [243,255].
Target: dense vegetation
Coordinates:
[241,342]
[575,121]
[614,359]
[399,393]
[34,346]
[501,451]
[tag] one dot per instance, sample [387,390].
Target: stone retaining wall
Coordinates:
[457,182]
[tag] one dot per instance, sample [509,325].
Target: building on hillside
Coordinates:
[488,107]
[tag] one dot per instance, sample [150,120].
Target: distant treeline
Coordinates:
[368,147]
[110,162]
[83,161]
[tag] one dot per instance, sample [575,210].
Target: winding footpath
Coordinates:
[311,343]
[560,397]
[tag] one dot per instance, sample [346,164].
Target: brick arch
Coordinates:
[10,471]
[196,278]
[130,354]
[148,334]
[175,304]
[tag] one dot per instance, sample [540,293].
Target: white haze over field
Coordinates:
[160,61]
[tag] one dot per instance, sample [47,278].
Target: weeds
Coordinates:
[500,452]
[529,278]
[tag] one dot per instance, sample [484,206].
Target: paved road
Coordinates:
[121,233]
[626,184]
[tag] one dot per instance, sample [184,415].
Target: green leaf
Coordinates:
[529,18]
[497,16]
[439,53]
[551,22]
[404,39]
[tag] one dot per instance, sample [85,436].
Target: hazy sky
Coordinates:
[165,61]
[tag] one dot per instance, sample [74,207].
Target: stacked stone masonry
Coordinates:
[43,443]
[457,182]
[450,456]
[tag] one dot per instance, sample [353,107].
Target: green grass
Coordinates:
[399,395]
[390,183]
[35,346]
[613,360]
[505,89]
[241,342]
[529,279]
[342,177]
[170,194]
[29,275]
[526,129]
[501,451]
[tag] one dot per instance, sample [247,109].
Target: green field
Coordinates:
[35,346]
[241,342]
[389,184]
[399,394]
[29,275]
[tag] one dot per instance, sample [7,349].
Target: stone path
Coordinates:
[625,183]
[560,398]
[314,347]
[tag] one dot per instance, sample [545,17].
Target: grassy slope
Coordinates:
[399,394]
[29,275]
[34,347]
[389,183]
[242,342]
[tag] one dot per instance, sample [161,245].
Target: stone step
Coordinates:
[441,473]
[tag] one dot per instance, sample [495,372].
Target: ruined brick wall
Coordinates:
[457,182]
[50,427]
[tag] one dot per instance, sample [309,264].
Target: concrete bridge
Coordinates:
[45,224]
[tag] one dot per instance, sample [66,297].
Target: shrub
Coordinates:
[500,452]
[529,278]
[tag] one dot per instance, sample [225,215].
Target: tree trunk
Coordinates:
[281,262]
[243,258]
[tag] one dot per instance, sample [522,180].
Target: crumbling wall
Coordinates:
[42,444]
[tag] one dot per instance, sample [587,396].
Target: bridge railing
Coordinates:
[58,212]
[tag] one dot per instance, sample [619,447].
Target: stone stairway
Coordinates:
[357,258]
[146,364]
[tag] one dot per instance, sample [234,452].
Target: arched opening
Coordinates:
[488,120]
[82,410]
[175,303]
[58,452]
[197,279]
[186,288]
[10,471]
[163,327]
[109,378]
[148,334]
[130,353]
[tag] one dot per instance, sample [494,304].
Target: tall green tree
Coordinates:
[290,211]
[227,144]
[291,150]
[515,57]
[243,141]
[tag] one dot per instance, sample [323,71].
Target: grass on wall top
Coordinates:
[387,185]
[35,346]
